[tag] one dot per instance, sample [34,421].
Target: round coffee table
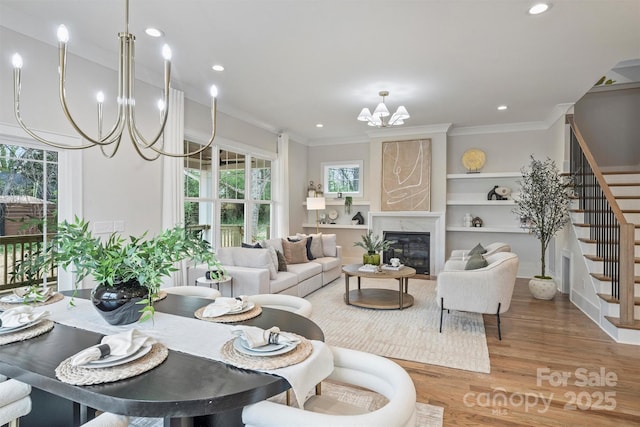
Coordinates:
[384,299]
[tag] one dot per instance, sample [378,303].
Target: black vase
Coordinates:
[118,303]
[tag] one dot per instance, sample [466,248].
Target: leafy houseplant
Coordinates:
[117,263]
[373,245]
[348,202]
[544,202]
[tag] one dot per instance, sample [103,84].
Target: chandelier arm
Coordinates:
[214,114]
[115,144]
[63,100]
[17,87]
[139,151]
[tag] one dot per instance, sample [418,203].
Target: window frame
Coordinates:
[342,164]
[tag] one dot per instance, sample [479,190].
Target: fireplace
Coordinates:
[412,247]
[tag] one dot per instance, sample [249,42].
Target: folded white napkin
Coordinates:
[40,293]
[258,337]
[19,316]
[225,305]
[120,344]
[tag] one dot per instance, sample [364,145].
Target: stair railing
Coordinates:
[613,235]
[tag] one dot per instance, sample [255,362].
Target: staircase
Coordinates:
[606,222]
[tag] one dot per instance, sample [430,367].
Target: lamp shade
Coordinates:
[315,203]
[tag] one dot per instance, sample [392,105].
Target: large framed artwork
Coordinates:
[406,175]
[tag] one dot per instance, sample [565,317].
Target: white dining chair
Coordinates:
[291,303]
[107,419]
[15,401]
[352,367]
[194,291]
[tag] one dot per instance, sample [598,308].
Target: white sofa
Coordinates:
[491,249]
[254,271]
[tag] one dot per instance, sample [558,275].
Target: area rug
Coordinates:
[426,415]
[409,334]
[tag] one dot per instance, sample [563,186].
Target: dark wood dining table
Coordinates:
[185,390]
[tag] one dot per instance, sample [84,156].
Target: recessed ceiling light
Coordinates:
[502,107]
[319,125]
[538,8]
[153,32]
[218,67]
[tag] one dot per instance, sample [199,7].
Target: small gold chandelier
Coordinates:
[126,117]
[380,114]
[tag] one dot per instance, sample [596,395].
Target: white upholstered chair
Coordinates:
[283,302]
[194,291]
[356,368]
[487,290]
[491,249]
[107,419]
[15,401]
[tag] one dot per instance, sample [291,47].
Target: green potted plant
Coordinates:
[373,245]
[128,273]
[544,202]
[348,202]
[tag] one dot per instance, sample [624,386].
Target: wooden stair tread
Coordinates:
[582,224]
[624,184]
[599,258]
[587,240]
[604,278]
[621,172]
[612,300]
[615,321]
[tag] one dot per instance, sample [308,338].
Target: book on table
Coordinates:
[392,268]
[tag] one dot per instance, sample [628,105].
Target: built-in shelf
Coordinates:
[489,229]
[349,226]
[340,202]
[488,175]
[473,202]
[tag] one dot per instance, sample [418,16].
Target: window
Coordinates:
[343,177]
[228,199]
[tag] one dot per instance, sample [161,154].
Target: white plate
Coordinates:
[15,299]
[264,348]
[4,331]
[237,344]
[244,309]
[110,361]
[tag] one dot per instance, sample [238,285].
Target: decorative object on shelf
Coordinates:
[373,245]
[473,160]
[544,202]
[378,117]
[499,193]
[116,264]
[125,119]
[319,192]
[348,202]
[332,215]
[316,204]
[358,217]
[339,195]
[311,189]
[476,222]
[467,220]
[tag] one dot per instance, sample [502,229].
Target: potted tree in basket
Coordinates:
[544,202]
[373,245]
[129,273]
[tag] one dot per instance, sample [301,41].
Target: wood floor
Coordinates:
[553,367]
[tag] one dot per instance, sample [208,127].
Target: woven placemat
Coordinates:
[241,360]
[230,318]
[54,298]
[33,331]
[77,375]
[161,295]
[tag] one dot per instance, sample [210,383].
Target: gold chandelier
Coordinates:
[380,114]
[126,118]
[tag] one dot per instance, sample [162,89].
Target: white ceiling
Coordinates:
[293,63]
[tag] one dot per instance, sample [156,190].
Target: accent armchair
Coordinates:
[487,290]
[358,368]
[491,249]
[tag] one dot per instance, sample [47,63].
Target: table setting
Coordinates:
[229,310]
[21,323]
[35,297]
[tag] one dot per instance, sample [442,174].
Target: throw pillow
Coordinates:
[316,248]
[295,252]
[478,249]
[273,267]
[256,246]
[307,240]
[475,262]
[282,262]
[329,245]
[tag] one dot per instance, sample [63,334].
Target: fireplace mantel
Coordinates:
[433,222]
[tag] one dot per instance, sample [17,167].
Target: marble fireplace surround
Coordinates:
[431,222]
